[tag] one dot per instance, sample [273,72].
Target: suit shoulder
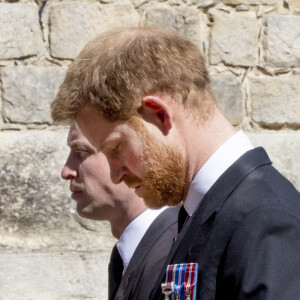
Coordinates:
[262,187]
[169,215]
[262,256]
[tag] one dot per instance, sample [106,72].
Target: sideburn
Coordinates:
[165,169]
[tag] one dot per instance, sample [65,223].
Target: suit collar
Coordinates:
[214,167]
[229,180]
[154,232]
[156,229]
[134,233]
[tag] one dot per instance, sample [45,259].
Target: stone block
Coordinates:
[28,91]
[283,149]
[20,33]
[47,251]
[30,176]
[122,14]
[234,39]
[185,21]
[35,205]
[74,24]
[275,100]
[228,91]
[54,275]
[282,40]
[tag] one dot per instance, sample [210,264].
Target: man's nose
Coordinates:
[68,172]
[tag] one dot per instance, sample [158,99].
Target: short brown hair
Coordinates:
[116,69]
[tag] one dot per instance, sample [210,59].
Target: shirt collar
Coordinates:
[215,166]
[134,232]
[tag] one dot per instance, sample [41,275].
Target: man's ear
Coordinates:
[157,112]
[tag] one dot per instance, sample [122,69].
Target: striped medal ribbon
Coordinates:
[181,282]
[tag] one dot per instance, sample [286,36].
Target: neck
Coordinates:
[120,223]
[203,139]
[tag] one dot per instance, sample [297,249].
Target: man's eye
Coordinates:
[116,149]
[82,154]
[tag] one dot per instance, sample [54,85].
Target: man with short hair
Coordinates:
[145,236]
[142,97]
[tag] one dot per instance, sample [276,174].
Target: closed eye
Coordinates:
[116,149]
[82,154]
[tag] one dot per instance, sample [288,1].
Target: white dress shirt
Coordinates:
[215,166]
[134,232]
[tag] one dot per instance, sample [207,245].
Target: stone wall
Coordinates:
[253,50]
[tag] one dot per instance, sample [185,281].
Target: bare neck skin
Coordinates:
[202,139]
[129,211]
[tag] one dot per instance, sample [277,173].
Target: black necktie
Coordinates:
[182,218]
[115,272]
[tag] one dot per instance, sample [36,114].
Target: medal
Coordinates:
[167,289]
[181,282]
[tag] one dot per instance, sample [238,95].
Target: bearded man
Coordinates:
[144,236]
[142,97]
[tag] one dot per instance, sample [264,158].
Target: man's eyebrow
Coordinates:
[78,144]
[107,143]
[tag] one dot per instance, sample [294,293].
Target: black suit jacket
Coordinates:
[245,235]
[148,258]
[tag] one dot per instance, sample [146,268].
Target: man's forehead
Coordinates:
[97,129]
[73,133]
[91,122]
[76,138]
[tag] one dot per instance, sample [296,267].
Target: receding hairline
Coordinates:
[115,43]
[120,36]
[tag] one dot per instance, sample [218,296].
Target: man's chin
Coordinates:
[152,202]
[84,208]
[141,192]
[153,205]
[92,213]
[156,201]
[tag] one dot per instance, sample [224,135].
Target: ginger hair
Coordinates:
[115,70]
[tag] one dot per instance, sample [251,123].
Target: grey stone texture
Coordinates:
[35,205]
[205,3]
[275,100]
[28,91]
[294,6]
[282,40]
[31,162]
[47,251]
[20,33]
[242,7]
[53,275]
[228,92]
[185,21]
[250,2]
[283,149]
[73,24]
[233,39]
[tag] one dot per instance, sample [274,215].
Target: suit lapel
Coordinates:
[190,245]
[156,229]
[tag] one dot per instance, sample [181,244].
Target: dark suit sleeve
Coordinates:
[262,259]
